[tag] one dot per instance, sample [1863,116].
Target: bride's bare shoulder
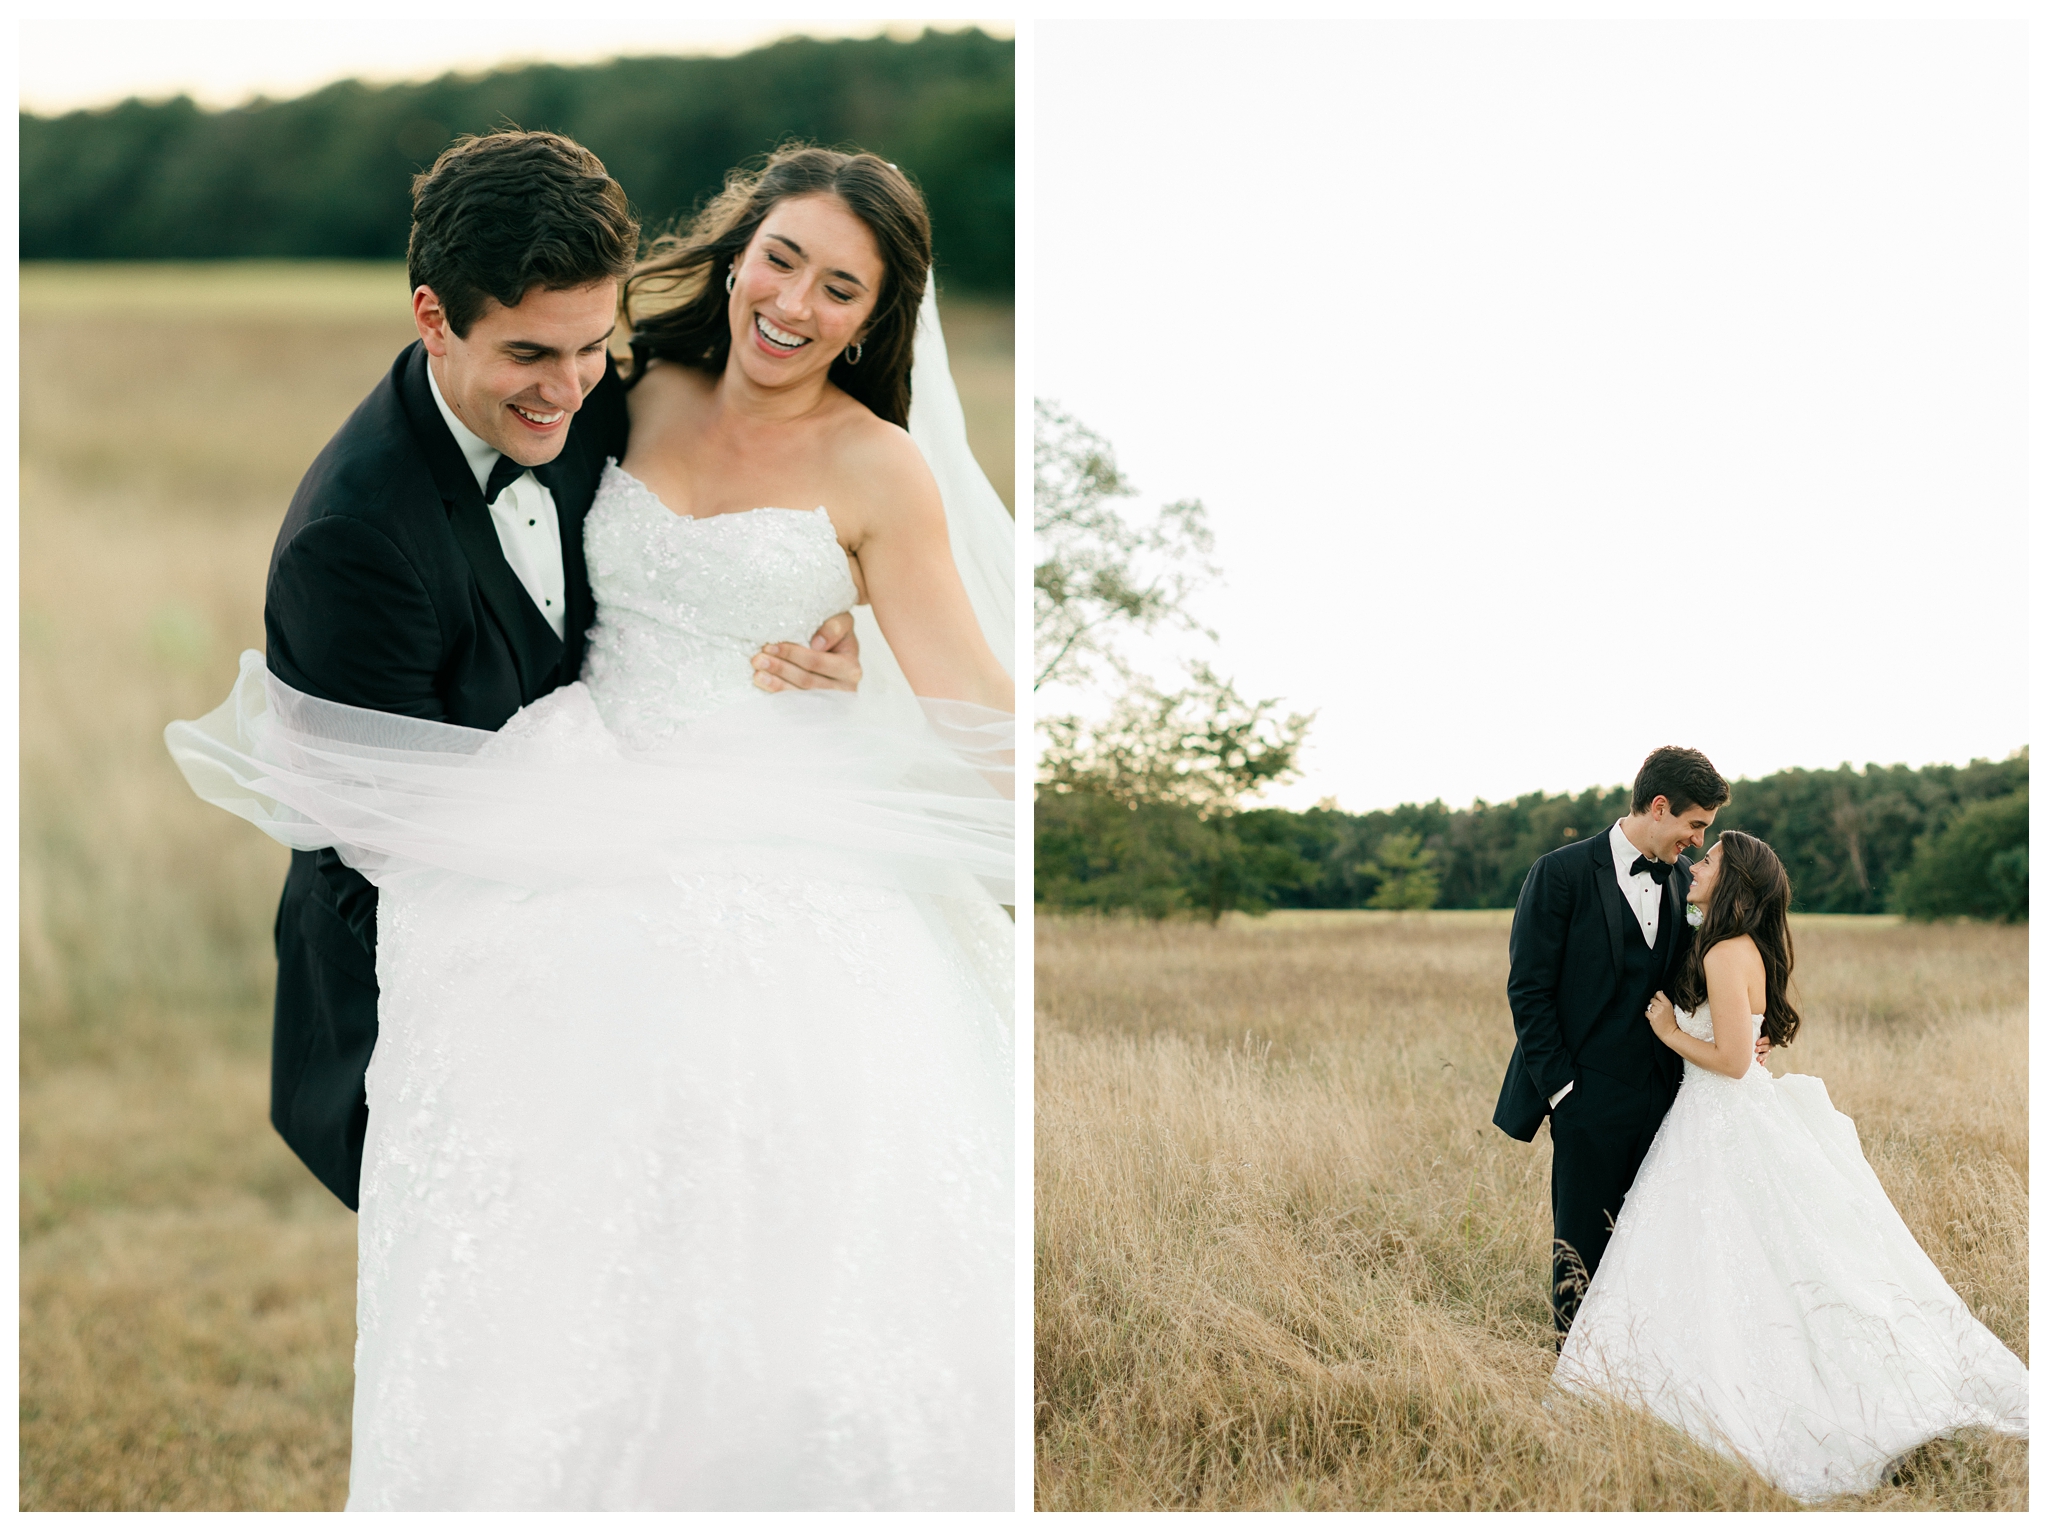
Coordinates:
[1733,954]
[882,452]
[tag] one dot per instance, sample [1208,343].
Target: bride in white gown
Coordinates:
[1760,1292]
[688,1174]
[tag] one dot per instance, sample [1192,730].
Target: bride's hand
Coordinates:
[830,662]
[1662,1019]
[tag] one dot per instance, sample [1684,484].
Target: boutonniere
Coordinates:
[1695,916]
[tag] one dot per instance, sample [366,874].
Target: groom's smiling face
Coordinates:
[520,374]
[1673,830]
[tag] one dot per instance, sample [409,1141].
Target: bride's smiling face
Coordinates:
[802,290]
[1705,873]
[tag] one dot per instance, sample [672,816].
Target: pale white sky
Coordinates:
[107,53]
[1560,390]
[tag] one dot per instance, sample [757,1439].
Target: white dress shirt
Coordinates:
[523,513]
[1640,891]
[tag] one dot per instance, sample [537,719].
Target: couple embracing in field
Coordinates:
[643,972]
[1723,1255]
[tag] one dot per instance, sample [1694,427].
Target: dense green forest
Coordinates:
[328,175]
[1937,841]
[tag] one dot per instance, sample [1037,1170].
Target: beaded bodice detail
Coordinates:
[683,604]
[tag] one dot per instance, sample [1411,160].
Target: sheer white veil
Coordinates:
[908,792]
[982,532]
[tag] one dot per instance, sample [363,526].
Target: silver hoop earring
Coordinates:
[853,354]
[730,274]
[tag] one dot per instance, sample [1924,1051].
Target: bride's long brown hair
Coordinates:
[1752,897]
[675,299]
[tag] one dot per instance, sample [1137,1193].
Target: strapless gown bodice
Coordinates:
[1700,1024]
[684,603]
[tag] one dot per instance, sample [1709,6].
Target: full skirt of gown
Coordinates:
[1762,1294]
[687,1183]
[683,1193]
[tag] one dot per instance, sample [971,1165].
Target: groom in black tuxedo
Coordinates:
[431,562]
[1599,929]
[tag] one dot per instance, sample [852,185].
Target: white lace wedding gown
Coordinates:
[688,1175]
[1761,1293]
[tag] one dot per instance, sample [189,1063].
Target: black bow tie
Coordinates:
[503,471]
[1657,869]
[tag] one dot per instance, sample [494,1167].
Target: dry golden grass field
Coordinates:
[187,1289]
[1285,1260]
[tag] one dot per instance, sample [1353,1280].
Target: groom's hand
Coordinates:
[1763,1046]
[830,662]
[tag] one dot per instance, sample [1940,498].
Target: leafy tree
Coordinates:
[1243,861]
[1406,874]
[1165,777]
[1098,577]
[1204,748]
[1976,865]
[1094,852]
[1160,859]
[1146,808]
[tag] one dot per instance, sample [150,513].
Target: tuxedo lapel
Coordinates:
[535,648]
[1608,891]
[536,651]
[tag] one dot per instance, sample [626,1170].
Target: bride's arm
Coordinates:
[914,587]
[1730,1053]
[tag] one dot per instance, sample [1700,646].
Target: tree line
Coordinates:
[1930,843]
[1146,806]
[328,175]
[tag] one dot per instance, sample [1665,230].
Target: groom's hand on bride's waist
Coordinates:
[830,662]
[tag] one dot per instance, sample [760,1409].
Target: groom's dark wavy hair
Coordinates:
[1683,778]
[676,300]
[1752,897]
[502,213]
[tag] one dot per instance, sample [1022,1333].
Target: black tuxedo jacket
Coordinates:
[388,589]
[1565,957]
